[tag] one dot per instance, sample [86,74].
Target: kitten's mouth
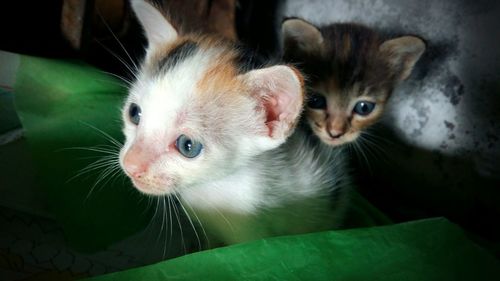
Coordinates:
[334,140]
[339,140]
[335,136]
[153,186]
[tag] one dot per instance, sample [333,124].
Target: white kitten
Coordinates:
[199,126]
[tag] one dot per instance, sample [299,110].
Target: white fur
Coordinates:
[158,30]
[247,183]
[283,191]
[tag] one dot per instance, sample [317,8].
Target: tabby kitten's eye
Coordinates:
[187,147]
[316,101]
[363,108]
[134,113]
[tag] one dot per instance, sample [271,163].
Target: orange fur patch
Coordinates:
[220,77]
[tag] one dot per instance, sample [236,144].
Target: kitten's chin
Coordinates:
[153,188]
[347,138]
[333,142]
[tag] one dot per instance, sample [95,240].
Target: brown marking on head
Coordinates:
[163,51]
[221,76]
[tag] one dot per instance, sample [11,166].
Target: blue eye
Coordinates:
[363,108]
[316,101]
[134,113]
[187,147]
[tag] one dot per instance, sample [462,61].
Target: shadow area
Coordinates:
[408,183]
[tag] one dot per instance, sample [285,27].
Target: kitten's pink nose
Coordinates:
[135,171]
[135,164]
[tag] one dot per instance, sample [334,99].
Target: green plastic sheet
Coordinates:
[62,105]
[433,249]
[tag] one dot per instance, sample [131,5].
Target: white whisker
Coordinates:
[123,79]
[376,149]
[190,222]
[169,199]
[359,149]
[101,163]
[164,224]
[222,215]
[98,148]
[199,222]
[122,61]
[117,40]
[177,215]
[111,178]
[106,135]
[106,172]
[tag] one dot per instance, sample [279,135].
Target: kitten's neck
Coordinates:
[297,188]
[301,167]
[236,193]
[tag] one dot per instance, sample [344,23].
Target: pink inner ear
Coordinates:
[272,112]
[278,90]
[280,112]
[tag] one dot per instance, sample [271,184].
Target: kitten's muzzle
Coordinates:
[133,167]
[139,165]
[335,136]
[335,127]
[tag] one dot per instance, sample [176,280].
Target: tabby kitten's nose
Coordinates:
[336,128]
[335,134]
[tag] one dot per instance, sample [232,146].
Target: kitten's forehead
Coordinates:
[181,82]
[331,88]
[179,54]
[176,55]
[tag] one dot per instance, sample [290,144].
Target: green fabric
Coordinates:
[431,249]
[9,117]
[56,101]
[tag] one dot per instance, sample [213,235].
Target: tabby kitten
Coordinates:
[351,71]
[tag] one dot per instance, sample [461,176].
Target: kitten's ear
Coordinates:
[402,53]
[279,92]
[158,29]
[301,35]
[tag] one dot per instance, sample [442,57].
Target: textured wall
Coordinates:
[446,116]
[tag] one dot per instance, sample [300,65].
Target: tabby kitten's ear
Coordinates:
[157,28]
[402,53]
[301,35]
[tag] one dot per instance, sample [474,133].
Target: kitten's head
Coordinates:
[195,114]
[351,74]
